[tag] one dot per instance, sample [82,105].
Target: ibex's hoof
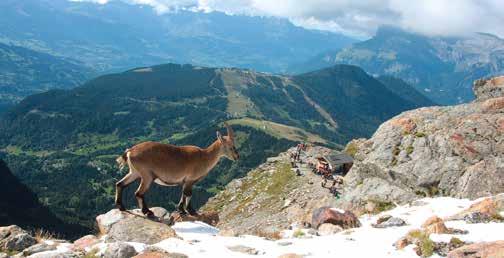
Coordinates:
[120,207]
[148,213]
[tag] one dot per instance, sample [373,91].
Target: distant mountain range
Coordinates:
[68,139]
[24,72]
[441,68]
[117,36]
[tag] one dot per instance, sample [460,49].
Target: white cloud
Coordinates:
[361,18]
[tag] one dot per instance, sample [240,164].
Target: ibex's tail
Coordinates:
[122,160]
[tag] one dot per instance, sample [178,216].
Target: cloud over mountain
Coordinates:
[360,18]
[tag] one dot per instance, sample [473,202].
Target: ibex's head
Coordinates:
[228,144]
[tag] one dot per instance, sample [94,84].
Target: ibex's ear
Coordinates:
[219,136]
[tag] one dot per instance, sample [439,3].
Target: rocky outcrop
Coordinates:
[272,197]
[455,151]
[13,238]
[132,226]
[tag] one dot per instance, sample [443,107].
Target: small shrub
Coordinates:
[42,234]
[420,134]
[92,254]
[456,241]
[424,243]
[393,162]
[351,149]
[396,151]
[409,149]
[497,217]
[298,233]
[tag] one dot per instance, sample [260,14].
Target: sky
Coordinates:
[359,18]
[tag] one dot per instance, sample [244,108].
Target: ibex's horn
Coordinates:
[229,130]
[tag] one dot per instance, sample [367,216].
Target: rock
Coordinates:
[14,238]
[344,219]
[284,243]
[482,250]
[54,254]
[383,219]
[455,151]
[120,250]
[210,218]
[139,229]
[41,247]
[107,220]
[443,248]
[227,233]
[402,243]
[329,229]
[489,88]
[243,249]
[435,225]
[477,217]
[85,242]
[488,208]
[291,255]
[389,222]
[3,255]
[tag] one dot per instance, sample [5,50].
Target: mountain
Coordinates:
[405,91]
[450,151]
[69,139]
[117,36]
[442,68]
[25,72]
[20,206]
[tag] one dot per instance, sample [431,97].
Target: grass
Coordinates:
[298,233]
[280,178]
[351,149]
[92,254]
[279,130]
[382,206]
[424,243]
[420,134]
[456,241]
[410,149]
[42,234]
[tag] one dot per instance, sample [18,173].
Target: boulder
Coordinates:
[486,209]
[328,229]
[132,226]
[389,221]
[120,250]
[481,250]
[139,229]
[435,225]
[243,249]
[55,254]
[344,219]
[13,238]
[291,255]
[85,242]
[41,247]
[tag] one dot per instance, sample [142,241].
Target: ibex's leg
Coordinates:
[127,180]
[145,183]
[186,196]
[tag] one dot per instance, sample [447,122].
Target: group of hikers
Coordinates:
[322,168]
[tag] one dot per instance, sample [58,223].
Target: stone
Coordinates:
[85,242]
[227,233]
[18,242]
[120,250]
[3,255]
[389,222]
[107,220]
[435,225]
[486,208]
[54,254]
[243,249]
[344,219]
[482,250]
[41,247]
[291,255]
[477,217]
[329,229]
[402,243]
[139,229]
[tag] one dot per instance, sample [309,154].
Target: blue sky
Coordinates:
[359,17]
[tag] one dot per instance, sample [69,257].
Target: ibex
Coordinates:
[170,165]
